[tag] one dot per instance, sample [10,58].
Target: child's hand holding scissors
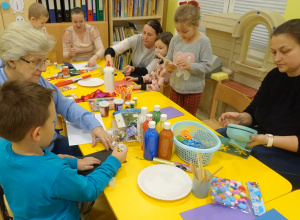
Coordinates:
[170,67]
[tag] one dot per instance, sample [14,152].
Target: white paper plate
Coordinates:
[164,182]
[89,82]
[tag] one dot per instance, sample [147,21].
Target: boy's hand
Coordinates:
[87,163]
[170,67]
[121,156]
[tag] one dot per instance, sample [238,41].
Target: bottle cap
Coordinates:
[104,104]
[127,103]
[135,98]
[167,125]
[144,110]
[163,117]
[152,124]
[55,63]
[108,63]
[132,102]
[156,108]
[149,117]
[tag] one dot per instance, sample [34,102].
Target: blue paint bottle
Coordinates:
[150,142]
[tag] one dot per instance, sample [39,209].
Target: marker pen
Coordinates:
[184,167]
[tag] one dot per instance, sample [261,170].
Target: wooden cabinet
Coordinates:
[139,21]
[57,29]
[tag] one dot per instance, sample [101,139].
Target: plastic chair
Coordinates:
[165,90]
[228,95]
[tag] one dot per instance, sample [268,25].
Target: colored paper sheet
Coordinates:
[216,212]
[232,150]
[171,112]
[273,214]
[122,83]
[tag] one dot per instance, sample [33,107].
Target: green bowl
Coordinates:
[240,135]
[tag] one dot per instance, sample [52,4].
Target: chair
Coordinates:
[228,95]
[165,90]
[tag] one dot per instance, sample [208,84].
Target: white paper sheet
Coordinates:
[77,135]
[79,66]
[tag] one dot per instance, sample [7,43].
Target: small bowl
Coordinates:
[240,135]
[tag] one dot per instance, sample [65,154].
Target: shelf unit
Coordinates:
[57,29]
[139,21]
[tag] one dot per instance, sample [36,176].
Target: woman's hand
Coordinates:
[184,64]
[129,78]
[260,139]
[99,132]
[72,52]
[110,59]
[92,61]
[230,118]
[87,163]
[129,69]
[121,156]
[170,67]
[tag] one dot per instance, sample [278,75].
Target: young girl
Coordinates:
[191,51]
[160,76]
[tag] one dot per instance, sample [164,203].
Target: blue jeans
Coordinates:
[284,162]
[61,146]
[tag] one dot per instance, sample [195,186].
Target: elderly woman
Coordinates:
[23,51]
[142,45]
[275,110]
[81,41]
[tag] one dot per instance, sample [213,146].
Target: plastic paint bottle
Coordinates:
[156,113]
[141,120]
[109,82]
[160,124]
[145,127]
[165,144]
[151,142]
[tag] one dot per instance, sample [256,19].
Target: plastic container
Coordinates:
[145,127]
[135,99]
[151,142]
[165,143]
[109,82]
[118,103]
[156,113]
[127,105]
[200,133]
[140,121]
[104,108]
[160,124]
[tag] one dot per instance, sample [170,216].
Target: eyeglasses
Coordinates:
[37,65]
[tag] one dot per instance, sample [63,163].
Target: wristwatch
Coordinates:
[270,140]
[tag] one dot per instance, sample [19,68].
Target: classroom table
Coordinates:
[286,205]
[129,202]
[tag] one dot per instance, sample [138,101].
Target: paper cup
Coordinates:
[200,188]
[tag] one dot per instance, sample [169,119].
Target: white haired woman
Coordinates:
[23,53]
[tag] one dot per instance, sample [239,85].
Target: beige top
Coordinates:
[85,48]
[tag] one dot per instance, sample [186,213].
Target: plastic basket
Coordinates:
[200,133]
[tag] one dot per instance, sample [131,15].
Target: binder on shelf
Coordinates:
[44,3]
[52,11]
[71,6]
[100,11]
[58,11]
[89,10]
[94,10]
[77,3]
[66,11]
[83,6]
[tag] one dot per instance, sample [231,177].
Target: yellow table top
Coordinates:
[129,202]
[286,205]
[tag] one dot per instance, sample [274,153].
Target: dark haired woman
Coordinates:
[142,46]
[81,41]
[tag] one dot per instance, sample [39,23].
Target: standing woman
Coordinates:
[81,41]
[275,109]
[142,46]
